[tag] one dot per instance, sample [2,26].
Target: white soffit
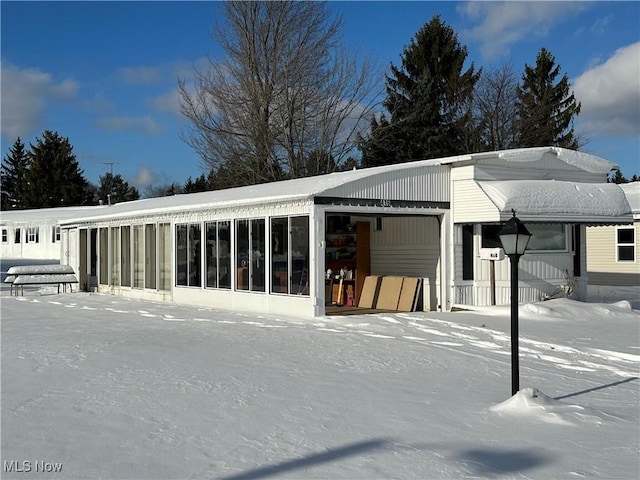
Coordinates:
[556,201]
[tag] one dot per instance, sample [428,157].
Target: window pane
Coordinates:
[242,254]
[125,256]
[181,255]
[138,256]
[490,238]
[150,259]
[547,237]
[115,256]
[626,253]
[280,255]
[300,255]
[625,235]
[17,236]
[194,256]
[224,254]
[164,256]
[257,255]
[212,255]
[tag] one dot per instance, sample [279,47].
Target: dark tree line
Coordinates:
[435,107]
[49,175]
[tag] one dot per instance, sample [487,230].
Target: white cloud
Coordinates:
[140,75]
[129,124]
[26,93]
[144,176]
[169,102]
[501,24]
[610,95]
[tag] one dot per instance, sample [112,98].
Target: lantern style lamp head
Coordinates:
[514,236]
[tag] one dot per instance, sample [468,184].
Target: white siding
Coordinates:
[470,204]
[427,183]
[407,246]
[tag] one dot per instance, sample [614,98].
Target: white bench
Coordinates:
[59,275]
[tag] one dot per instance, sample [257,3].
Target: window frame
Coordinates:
[631,244]
[5,235]
[252,261]
[490,242]
[33,235]
[217,265]
[294,277]
[55,234]
[192,254]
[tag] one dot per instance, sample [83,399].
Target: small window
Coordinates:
[17,236]
[626,244]
[55,234]
[32,235]
[5,235]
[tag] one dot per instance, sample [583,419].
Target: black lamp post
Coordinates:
[514,237]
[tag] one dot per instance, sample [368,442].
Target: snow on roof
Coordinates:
[47,215]
[632,192]
[558,200]
[300,189]
[584,161]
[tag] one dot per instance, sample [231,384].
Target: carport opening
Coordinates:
[379,263]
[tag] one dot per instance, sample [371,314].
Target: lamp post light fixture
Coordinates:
[514,237]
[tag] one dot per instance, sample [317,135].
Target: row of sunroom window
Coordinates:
[218,254]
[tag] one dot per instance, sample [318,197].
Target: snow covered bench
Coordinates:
[61,275]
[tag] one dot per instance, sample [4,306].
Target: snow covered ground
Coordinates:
[98,386]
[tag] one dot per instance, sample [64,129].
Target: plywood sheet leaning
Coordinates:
[369,292]
[389,295]
[408,294]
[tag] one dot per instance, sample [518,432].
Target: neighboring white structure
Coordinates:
[613,252]
[267,247]
[35,234]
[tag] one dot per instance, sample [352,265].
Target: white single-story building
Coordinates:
[35,234]
[613,251]
[267,248]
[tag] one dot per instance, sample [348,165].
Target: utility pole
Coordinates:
[111,164]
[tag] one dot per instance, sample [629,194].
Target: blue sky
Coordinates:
[104,74]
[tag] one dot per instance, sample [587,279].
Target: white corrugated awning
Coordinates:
[559,201]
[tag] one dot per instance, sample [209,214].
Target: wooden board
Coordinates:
[389,295]
[369,291]
[408,294]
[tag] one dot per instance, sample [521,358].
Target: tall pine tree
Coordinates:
[13,174]
[546,109]
[54,178]
[428,101]
[114,189]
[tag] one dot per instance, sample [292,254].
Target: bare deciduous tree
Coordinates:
[495,99]
[286,100]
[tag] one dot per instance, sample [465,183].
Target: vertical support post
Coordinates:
[515,360]
[492,281]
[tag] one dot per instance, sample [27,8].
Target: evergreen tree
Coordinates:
[546,109]
[617,177]
[54,178]
[200,184]
[118,188]
[428,101]
[12,175]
